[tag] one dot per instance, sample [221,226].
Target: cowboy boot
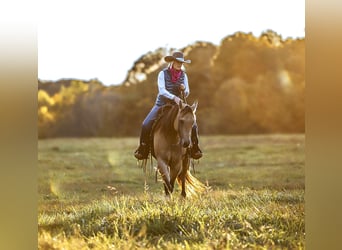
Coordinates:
[143,150]
[196,152]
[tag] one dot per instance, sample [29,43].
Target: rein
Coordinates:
[183,97]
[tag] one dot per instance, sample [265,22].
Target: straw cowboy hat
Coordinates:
[178,56]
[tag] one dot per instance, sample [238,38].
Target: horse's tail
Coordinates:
[192,185]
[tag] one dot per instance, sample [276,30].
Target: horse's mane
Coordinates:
[166,115]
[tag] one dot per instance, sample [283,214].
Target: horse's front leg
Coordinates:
[175,170]
[164,172]
[182,175]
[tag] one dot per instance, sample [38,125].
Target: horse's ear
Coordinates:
[194,106]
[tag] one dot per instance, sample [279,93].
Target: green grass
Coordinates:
[92,196]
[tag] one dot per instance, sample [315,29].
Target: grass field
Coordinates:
[92,196]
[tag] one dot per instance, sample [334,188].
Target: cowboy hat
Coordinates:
[178,56]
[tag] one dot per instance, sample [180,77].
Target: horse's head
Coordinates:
[185,120]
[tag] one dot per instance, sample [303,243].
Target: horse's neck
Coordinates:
[176,121]
[165,121]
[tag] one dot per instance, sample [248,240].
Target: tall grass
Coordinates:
[92,196]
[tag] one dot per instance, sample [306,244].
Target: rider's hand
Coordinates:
[182,87]
[177,99]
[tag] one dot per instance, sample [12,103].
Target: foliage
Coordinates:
[245,85]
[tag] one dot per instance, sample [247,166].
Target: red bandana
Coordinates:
[175,74]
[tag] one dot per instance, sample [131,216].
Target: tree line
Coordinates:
[245,85]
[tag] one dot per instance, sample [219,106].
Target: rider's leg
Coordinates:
[196,152]
[145,135]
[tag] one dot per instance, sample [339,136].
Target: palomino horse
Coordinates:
[171,142]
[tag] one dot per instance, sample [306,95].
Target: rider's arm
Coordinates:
[186,83]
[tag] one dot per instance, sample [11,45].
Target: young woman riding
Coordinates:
[171,82]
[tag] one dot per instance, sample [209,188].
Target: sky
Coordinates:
[87,39]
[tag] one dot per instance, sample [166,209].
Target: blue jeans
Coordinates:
[147,125]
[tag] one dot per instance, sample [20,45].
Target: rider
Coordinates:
[171,82]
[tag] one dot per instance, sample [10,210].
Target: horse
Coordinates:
[171,142]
